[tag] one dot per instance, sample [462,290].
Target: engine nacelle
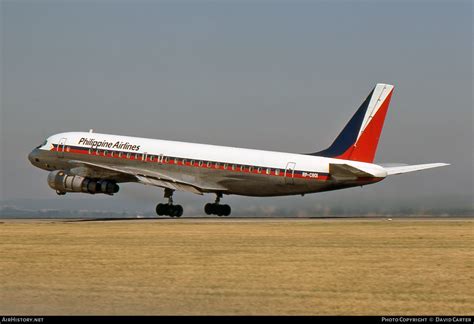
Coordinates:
[63,182]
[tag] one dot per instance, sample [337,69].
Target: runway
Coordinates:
[237,266]
[227,219]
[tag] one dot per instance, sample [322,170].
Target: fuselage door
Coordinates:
[61,147]
[290,173]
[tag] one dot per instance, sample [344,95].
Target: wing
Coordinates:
[392,170]
[147,177]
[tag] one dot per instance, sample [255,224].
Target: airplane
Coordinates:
[94,163]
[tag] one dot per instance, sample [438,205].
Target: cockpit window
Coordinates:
[44,143]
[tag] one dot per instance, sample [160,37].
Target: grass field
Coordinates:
[225,266]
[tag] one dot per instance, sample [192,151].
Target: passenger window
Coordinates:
[120,154]
[128,155]
[191,163]
[259,170]
[277,171]
[90,151]
[200,163]
[209,164]
[184,161]
[166,159]
[151,158]
[269,171]
[112,154]
[226,166]
[233,167]
[217,165]
[242,168]
[250,169]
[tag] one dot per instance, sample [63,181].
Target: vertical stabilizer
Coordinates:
[359,139]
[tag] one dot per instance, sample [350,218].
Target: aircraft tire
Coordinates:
[216,209]
[209,209]
[161,209]
[226,210]
[178,210]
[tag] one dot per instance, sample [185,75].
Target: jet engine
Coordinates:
[63,182]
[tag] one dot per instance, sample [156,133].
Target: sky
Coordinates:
[275,75]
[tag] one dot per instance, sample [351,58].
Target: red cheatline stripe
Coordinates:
[171,161]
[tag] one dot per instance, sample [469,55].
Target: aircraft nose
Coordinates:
[33,156]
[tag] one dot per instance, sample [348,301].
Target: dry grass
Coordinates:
[237,267]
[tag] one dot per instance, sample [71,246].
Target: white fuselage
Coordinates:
[212,168]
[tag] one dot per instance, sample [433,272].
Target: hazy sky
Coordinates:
[282,76]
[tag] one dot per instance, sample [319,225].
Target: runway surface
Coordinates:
[242,266]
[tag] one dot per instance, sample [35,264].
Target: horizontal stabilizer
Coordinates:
[347,172]
[412,168]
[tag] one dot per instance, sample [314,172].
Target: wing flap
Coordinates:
[167,184]
[151,177]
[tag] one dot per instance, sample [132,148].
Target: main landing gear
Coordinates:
[216,208]
[177,210]
[169,209]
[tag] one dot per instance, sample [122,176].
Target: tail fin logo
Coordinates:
[359,139]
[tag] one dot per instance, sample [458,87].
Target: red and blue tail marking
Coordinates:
[359,139]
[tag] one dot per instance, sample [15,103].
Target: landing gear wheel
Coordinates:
[226,210]
[161,209]
[177,211]
[216,208]
[169,209]
[209,209]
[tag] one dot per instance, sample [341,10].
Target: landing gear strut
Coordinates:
[216,208]
[169,209]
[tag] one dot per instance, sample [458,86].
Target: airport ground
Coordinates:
[237,266]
